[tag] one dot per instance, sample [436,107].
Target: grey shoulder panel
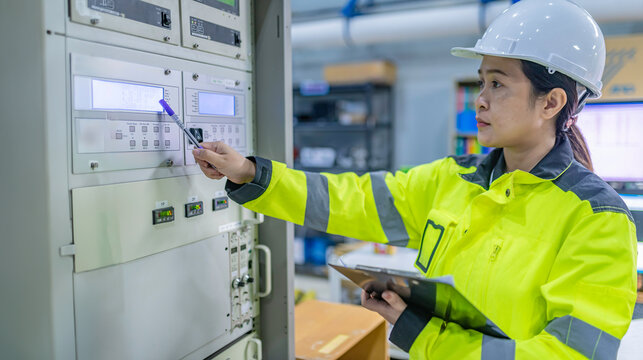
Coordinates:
[469,160]
[589,186]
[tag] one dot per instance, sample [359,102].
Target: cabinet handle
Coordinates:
[257,355]
[267,270]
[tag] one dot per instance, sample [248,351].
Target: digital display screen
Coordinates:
[216,104]
[228,2]
[114,95]
[614,134]
[164,213]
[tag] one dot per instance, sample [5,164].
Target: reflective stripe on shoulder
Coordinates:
[390,218]
[317,202]
[588,340]
[494,348]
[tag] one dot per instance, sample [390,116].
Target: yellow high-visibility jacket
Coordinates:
[549,256]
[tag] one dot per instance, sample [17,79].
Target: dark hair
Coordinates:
[542,82]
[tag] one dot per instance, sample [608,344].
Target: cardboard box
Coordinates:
[622,78]
[380,72]
[328,331]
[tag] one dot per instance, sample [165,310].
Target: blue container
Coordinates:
[315,250]
[466,121]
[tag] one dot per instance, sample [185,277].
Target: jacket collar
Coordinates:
[549,168]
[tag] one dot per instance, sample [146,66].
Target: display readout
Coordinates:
[164,215]
[216,104]
[230,6]
[194,209]
[220,203]
[114,95]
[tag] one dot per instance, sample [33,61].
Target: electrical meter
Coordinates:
[217,26]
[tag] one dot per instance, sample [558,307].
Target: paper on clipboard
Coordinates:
[438,295]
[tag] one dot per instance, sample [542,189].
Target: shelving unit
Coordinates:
[343,128]
[338,129]
[465,135]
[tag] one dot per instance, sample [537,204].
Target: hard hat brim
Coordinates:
[473,53]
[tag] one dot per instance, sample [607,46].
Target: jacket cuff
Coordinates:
[408,326]
[242,193]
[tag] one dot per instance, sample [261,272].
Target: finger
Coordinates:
[218,147]
[394,300]
[377,305]
[364,296]
[207,156]
[210,172]
[202,162]
[205,164]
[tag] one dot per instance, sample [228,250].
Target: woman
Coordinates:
[532,237]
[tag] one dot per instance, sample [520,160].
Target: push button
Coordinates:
[508,192]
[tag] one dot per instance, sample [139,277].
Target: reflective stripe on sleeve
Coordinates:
[494,348]
[317,202]
[588,340]
[390,218]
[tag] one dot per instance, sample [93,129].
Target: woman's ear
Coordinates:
[553,103]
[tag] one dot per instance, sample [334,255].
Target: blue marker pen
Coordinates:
[179,123]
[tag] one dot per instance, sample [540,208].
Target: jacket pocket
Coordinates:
[435,239]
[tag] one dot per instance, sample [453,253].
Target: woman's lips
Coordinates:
[482,123]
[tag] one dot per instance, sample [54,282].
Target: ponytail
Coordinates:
[543,82]
[579,147]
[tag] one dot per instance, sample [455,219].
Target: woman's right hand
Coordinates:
[217,160]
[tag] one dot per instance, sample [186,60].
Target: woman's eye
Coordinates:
[495,84]
[480,84]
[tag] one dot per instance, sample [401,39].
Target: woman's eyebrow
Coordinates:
[493,71]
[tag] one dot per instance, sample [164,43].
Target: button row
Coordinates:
[156,129]
[145,142]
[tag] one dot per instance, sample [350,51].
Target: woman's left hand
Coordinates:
[390,306]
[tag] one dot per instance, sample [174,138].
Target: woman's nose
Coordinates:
[481,101]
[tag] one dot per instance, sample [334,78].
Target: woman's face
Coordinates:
[506,115]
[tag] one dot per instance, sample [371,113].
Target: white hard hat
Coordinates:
[558,34]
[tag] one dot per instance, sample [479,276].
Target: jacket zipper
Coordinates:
[495,250]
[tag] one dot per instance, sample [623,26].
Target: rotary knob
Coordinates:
[237,283]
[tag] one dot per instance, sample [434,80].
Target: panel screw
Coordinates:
[237,56]
[167,72]
[195,76]
[94,21]
[166,38]
[93,165]
[196,46]
[169,162]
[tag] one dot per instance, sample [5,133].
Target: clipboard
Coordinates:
[438,296]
